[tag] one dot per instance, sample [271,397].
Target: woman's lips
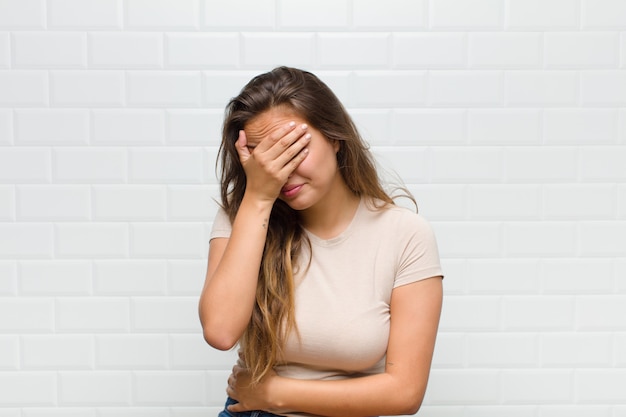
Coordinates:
[291,190]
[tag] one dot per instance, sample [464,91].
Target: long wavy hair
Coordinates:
[308,97]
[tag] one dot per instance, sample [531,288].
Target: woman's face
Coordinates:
[317,177]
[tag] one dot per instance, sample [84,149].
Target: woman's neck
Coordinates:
[331,216]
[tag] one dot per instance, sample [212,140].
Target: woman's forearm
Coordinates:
[372,395]
[228,296]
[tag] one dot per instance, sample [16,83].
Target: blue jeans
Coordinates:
[226,413]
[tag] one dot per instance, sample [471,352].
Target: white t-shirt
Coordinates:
[342,300]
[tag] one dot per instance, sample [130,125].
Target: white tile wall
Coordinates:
[505,118]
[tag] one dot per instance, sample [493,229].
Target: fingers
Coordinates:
[286,142]
[242,146]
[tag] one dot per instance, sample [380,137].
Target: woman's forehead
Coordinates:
[259,127]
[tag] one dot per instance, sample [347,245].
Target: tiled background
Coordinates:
[507,118]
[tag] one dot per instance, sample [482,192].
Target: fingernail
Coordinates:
[304,126]
[307,136]
[292,124]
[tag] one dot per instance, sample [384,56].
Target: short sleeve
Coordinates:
[419,258]
[221,225]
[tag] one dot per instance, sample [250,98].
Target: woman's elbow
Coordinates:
[219,341]
[409,402]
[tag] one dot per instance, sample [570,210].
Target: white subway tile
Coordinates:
[506,350]
[170,14]
[194,127]
[19,165]
[267,49]
[87,88]
[500,410]
[579,201]
[130,277]
[175,240]
[186,388]
[51,127]
[5,50]
[9,352]
[166,315]
[87,14]
[192,202]
[219,86]
[351,50]
[140,411]
[125,50]
[456,276]
[166,165]
[132,351]
[575,350]
[543,14]
[429,50]
[393,14]
[103,388]
[7,203]
[462,165]
[389,89]
[190,351]
[604,164]
[603,386]
[536,88]
[26,240]
[619,274]
[129,202]
[128,127]
[577,410]
[603,14]
[49,50]
[172,89]
[55,277]
[460,14]
[462,313]
[602,238]
[461,88]
[26,315]
[6,127]
[202,50]
[536,386]
[538,313]
[316,15]
[186,277]
[468,239]
[23,88]
[574,126]
[622,202]
[434,127]
[581,50]
[92,315]
[505,202]
[210,165]
[32,388]
[59,412]
[463,387]
[374,125]
[53,202]
[57,352]
[97,240]
[22,14]
[76,165]
[540,239]
[505,50]
[503,276]
[549,164]
[603,88]
[8,278]
[441,201]
[619,351]
[505,126]
[260,14]
[576,276]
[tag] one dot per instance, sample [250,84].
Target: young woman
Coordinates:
[332,292]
